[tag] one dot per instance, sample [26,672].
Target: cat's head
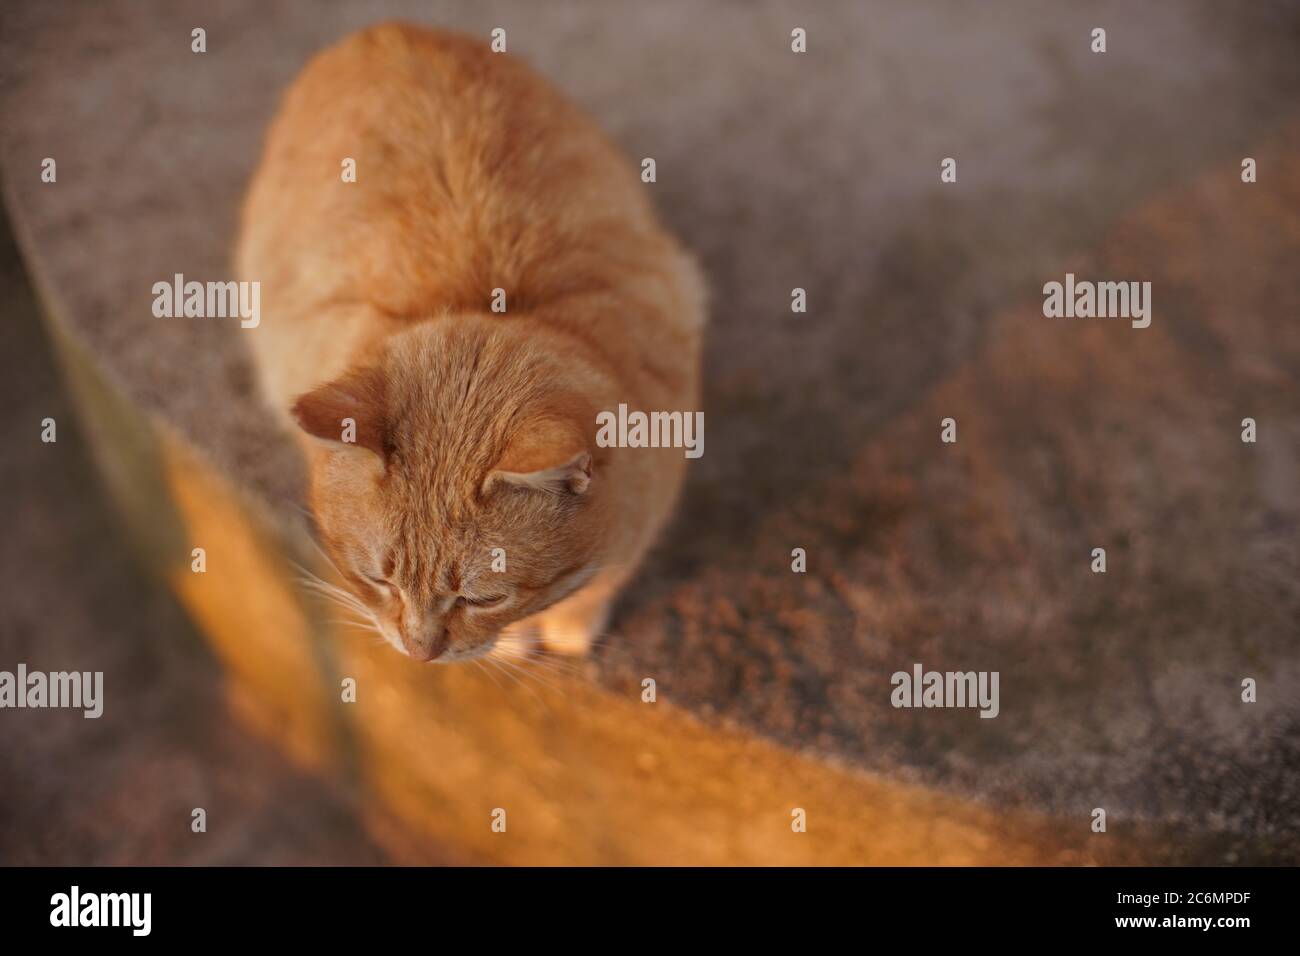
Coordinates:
[456,485]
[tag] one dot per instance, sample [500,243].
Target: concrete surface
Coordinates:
[821,171]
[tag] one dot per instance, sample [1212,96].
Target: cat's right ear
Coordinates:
[351,410]
[546,455]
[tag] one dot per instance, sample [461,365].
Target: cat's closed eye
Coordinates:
[488,602]
[381,578]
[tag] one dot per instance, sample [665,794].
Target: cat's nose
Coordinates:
[426,643]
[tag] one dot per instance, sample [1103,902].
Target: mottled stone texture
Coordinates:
[821,171]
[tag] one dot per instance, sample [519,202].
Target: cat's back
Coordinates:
[409,166]
[434,94]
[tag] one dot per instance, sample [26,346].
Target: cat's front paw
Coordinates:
[573,625]
[521,639]
[570,640]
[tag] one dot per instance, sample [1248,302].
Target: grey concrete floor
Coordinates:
[821,172]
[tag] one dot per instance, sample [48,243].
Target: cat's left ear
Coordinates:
[351,410]
[547,455]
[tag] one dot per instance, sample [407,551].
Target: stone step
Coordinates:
[1119,691]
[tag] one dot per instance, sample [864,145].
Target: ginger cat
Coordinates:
[473,430]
